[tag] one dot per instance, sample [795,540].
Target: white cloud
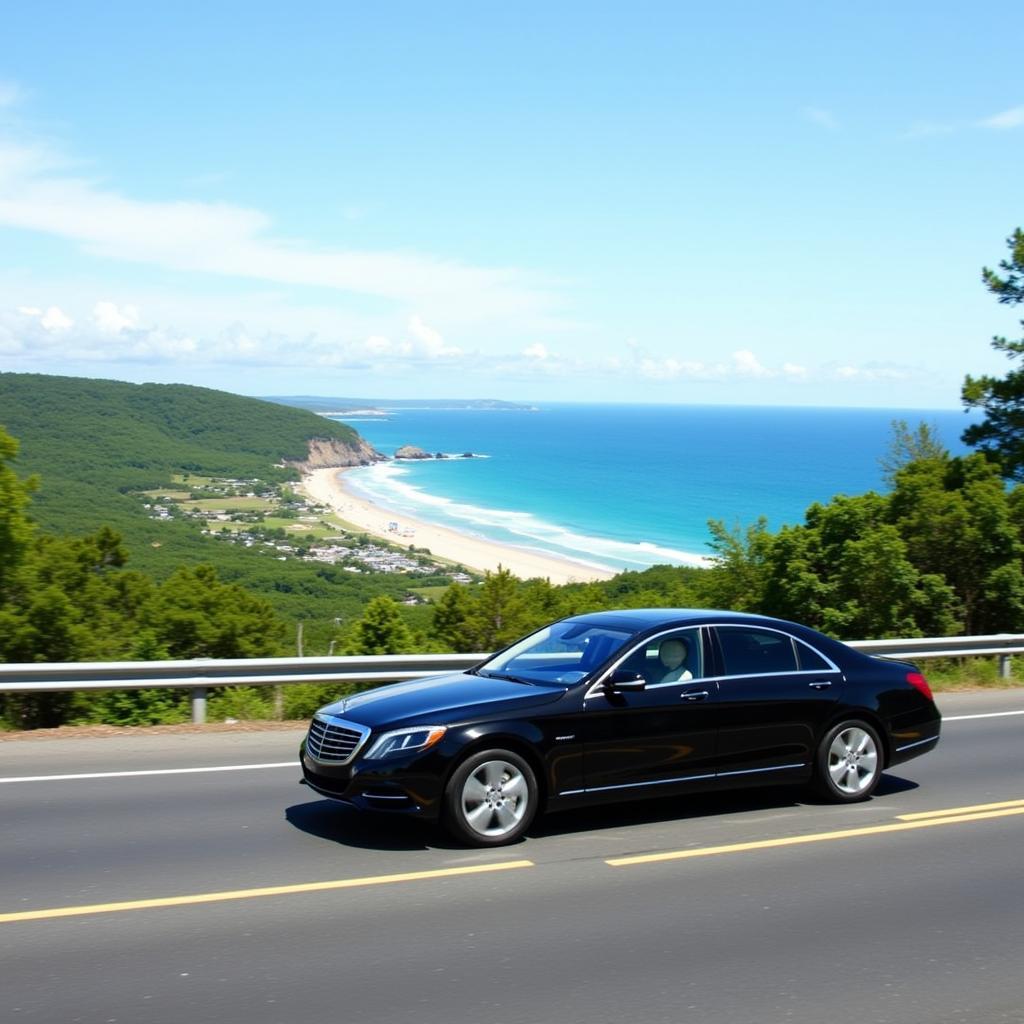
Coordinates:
[742,364]
[670,368]
[822,118]
[430,342]
[38,194]
[115,332]
[746,364]
[110,319]
[1012,118]
[378,345]
[871,373]
[55,319]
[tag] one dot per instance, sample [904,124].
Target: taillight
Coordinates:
[919,682]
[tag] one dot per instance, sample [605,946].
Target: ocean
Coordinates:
[628,486]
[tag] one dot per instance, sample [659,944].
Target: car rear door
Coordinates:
[775,693]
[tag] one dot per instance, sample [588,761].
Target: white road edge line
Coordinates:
[991,714]
[151,771]
[295,764]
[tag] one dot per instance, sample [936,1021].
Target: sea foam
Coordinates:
[385,484]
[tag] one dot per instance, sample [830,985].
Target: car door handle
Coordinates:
[694,695]
[820,684]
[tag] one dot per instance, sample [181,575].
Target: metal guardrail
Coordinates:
[200,674]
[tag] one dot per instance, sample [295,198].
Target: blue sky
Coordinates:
[746,203]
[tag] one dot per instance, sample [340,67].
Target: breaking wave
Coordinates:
[384,483]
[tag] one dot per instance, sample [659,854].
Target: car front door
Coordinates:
[775,693]
[659,739]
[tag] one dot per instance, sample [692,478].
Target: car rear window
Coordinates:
[750,651]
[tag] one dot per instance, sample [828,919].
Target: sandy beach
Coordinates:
[327,486]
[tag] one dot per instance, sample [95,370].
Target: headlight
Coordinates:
[405,741]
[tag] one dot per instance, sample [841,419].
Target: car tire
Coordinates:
[849,762]
[490,799]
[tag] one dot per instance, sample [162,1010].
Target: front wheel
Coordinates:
[849,762]
[491,798]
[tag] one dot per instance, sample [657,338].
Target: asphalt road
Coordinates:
[769,907]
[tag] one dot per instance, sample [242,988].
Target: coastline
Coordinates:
[327,486]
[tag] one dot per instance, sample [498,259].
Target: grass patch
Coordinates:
[947,675]
[192,480]
[308,531]
[228,505]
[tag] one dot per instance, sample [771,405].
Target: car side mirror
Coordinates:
[623,680]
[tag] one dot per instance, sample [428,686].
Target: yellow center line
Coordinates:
[817,837]
[950,811]
[248,894]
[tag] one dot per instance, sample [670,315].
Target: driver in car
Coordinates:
[671,666]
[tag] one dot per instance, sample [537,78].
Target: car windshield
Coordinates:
[564,652]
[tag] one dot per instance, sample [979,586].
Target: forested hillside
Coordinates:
[95,444]
[92,441]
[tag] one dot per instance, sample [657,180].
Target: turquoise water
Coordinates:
[627,487]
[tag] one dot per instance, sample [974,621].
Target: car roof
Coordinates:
[644,620]
[639,619]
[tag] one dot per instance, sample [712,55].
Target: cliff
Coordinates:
[331,453]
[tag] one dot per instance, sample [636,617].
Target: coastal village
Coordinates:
[286,524]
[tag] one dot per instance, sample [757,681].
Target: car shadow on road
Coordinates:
[337,823]
[365,830]
[888,785]
[703,805]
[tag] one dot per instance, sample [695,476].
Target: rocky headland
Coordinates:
[331,453]
[410,451]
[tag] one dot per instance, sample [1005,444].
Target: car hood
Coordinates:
[441,699]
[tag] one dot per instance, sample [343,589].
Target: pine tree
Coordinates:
[381,630]
[1001,434]
[450,616]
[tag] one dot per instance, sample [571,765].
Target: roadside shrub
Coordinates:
[129,707]
[241,702]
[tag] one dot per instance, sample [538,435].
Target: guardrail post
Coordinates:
[1005,662]
[198,705]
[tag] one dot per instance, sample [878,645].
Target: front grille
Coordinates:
[334,741]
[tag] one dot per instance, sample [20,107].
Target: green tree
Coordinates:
[847,570]
[1001,434]
[16,529]
[958,521]
[196,615]
[499,615]
[738,572]
[381,630]
[877,592]
[450,616]
[909,446]
[578,598]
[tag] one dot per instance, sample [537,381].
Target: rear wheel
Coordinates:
[849,763]
[491,798]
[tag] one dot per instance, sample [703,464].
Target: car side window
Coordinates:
[668,658]
[749,651]
[811,660]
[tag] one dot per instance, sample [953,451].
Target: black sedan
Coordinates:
[620,706]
